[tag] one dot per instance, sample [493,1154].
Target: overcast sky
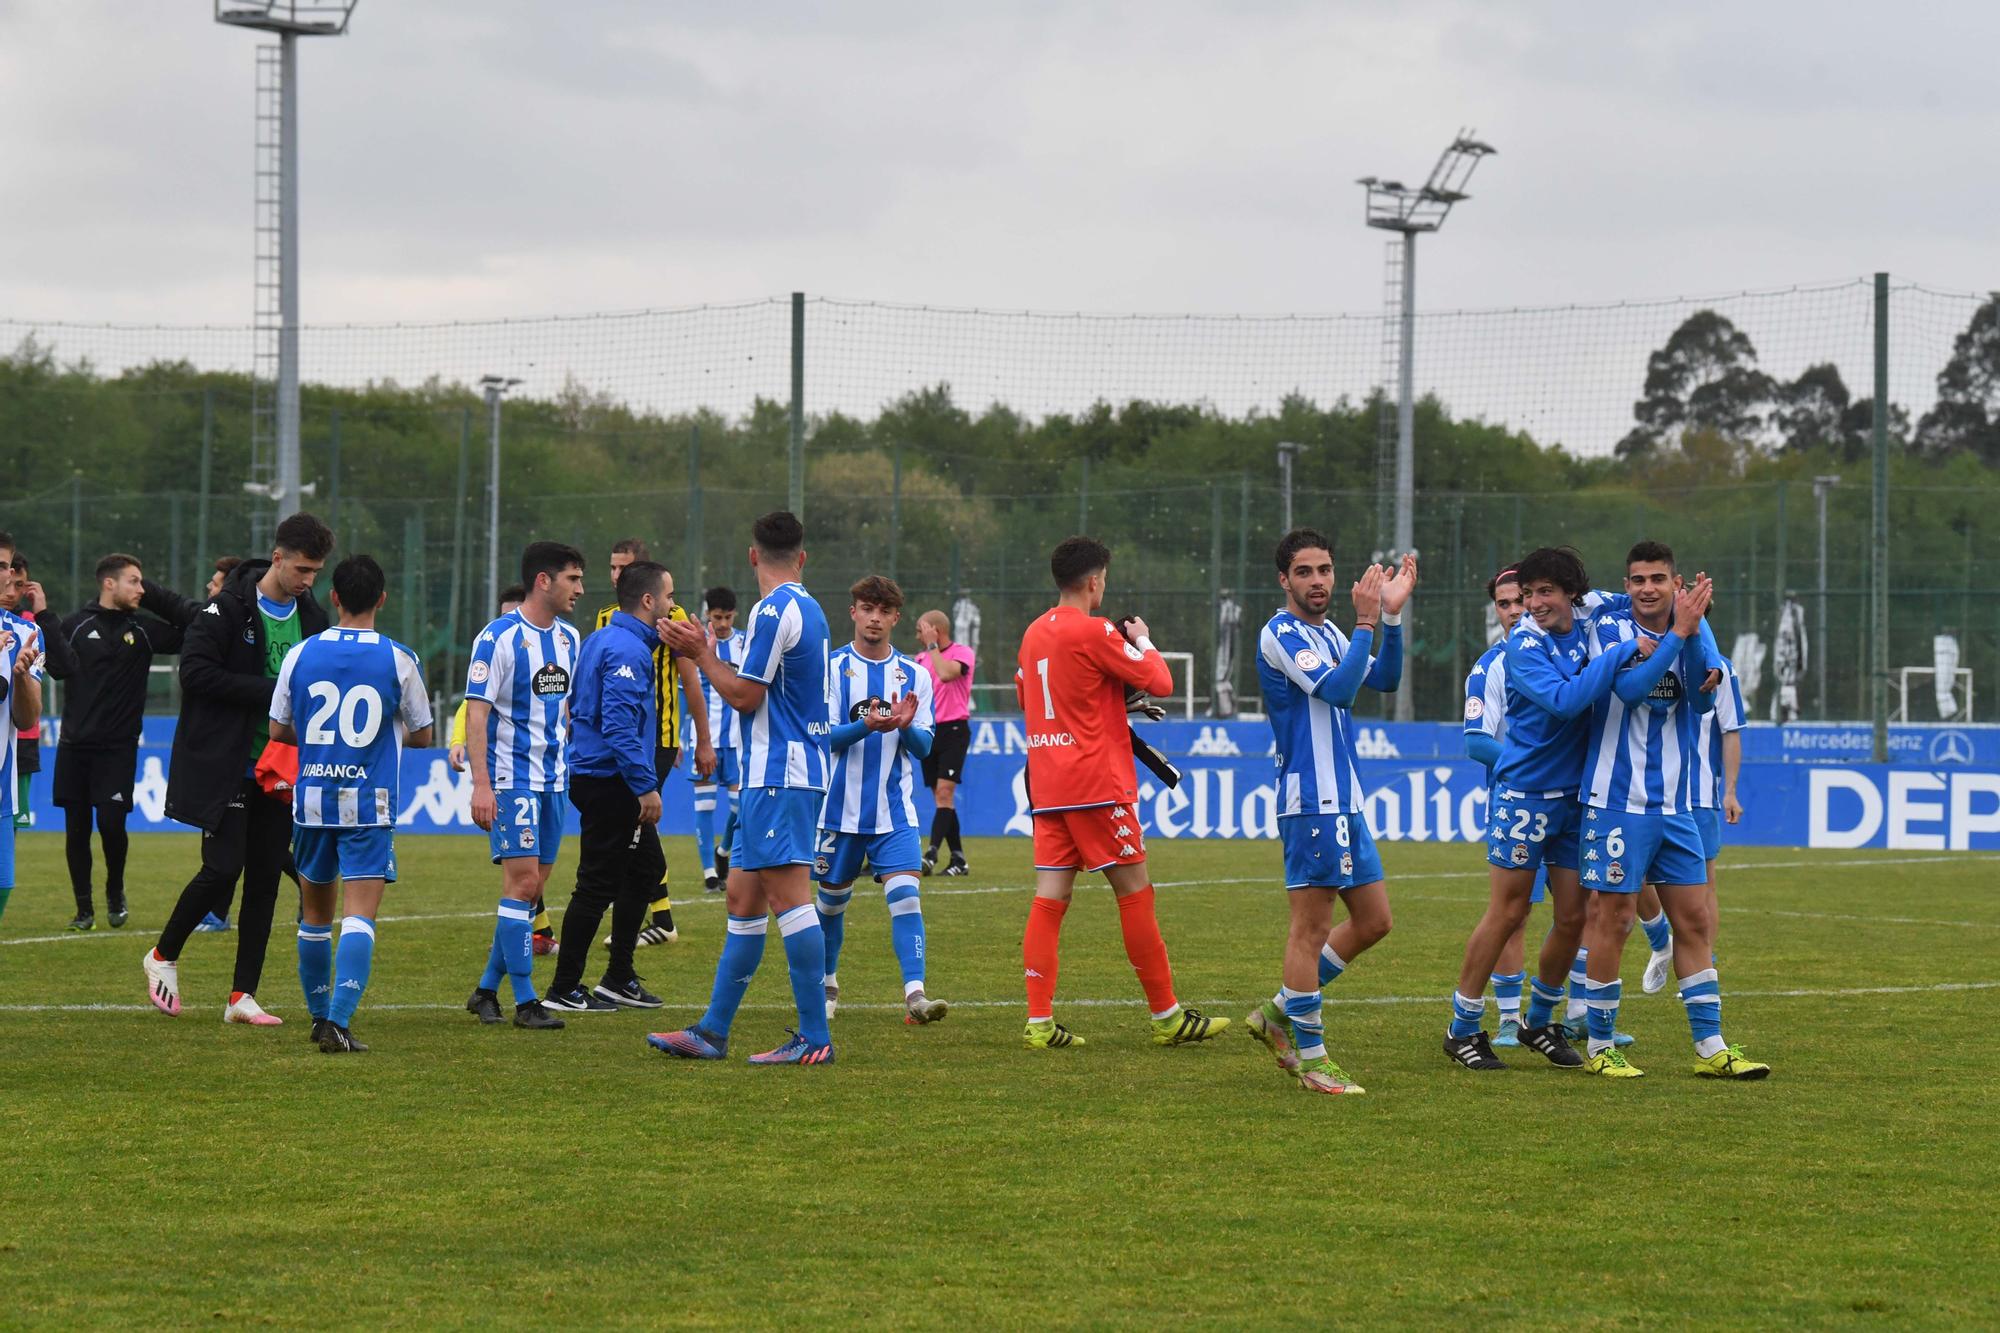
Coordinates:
[506,158]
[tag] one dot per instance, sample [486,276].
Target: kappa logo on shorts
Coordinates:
[1590,835]
[1519,854]
[1118,812]
[1590,815]
[1590,855]
[1590,876]
[1128,850]
[1122,831]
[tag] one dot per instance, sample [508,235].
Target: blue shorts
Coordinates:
[1708,823]
[1623,852]
[326,854]
[727,770]
[6,849]
[841,854]
[1527,832]
[526,823]
[1540,892]
[775,826]
[1328,852]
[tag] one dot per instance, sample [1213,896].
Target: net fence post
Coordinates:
[332,469]
[692,568]
[798,474]
[455,598]
[1879,545]
[201,553]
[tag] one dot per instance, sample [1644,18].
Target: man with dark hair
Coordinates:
[30,607]
[680,701]
[230,658]
[1485,728]
[224,565]
[783,691]
[517,687]
[350,699]
[615,788]
[882,720]
[1534,815]
[723,786]
[98,754]
[1310,674]
[949,666]
[21,681]
[1075,669]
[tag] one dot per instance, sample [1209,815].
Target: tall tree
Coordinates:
[1705,378]
[1967,414]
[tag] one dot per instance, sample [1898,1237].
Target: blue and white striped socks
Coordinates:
[1308,1032]
[1331,965]
[1702,994]
[1468,1014]
[831,905]
[1603,998]
[1658,933]
[513,951]
[1542,1000]
[1507,987]
[704,827]
[906,929]
[1579,986]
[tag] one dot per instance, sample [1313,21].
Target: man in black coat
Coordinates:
[97,755]
[230,658]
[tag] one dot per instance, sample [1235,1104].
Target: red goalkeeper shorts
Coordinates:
[1103,835]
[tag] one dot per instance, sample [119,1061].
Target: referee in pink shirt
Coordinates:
[950,666]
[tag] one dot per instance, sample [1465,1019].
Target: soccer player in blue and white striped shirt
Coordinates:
[1639,825]
[783,692]
[516,738]
[350,699]
[1310,673]
[711,844]
[883,726]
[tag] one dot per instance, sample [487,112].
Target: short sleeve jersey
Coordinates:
[873,789]
[1317,774]
[350,695]
[1073,669]
[954,696]
[525,672]
[787,739]
[723,732]
[1727,717]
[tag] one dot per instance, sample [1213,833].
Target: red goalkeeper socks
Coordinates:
[1147,950]
[1038,954]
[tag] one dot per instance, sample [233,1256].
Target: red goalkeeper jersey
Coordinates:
[1071,683]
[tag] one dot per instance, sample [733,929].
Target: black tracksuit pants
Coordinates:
[254,840]
[619,864]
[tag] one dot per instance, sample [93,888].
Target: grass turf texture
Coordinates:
[167,1172]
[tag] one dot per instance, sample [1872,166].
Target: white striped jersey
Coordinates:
[1316,769]
[1728,716]
[525,672]
[785,741]
[1486,693]
[874,783]
[26,634]
[350,695]
[724,733]
[1640,758]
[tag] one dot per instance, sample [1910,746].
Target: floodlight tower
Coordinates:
[274,372]
[1393,206]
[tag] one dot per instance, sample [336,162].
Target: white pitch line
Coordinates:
[711,900]
[1939,988]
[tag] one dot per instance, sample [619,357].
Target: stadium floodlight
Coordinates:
[495,388]
[1392,206]
[1821,485]
[1287,452]
[274,381]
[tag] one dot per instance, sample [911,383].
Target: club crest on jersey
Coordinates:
[552,680]
[1474,710]
[249,634]
[478,674]
[1308,660]
[129,640]
[1519,854]
[1615,873]
[1133,651]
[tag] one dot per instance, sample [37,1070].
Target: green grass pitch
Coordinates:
[171,1172]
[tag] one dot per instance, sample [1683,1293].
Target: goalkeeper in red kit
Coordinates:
[1075,667]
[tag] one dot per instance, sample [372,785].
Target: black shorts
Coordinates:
[27,754]
[86,777]
[947,757]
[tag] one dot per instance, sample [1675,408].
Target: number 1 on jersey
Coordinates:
[1048,700]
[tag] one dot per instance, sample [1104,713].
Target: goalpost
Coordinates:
[1961,689]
